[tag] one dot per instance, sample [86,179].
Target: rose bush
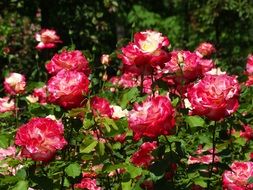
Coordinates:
[146,117]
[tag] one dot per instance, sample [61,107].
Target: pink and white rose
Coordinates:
[68,88]
[214,96]
[40,138]
[152,118]
[47,39]
[7,104]
[15,83]
[237,179]
[68,60]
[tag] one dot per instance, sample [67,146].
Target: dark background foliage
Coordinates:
[96,26]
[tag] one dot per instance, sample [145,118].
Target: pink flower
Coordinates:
[15,83]
[6,104]
[205,49]
[68,60]
[47,39]
[249,65]
[41,94]
[203,158]
[68,88]
[120,138]
[143,156]
[237,179]
[101,106]
[10,151]
[249,82]
[88,183]
[247,133]
[152,118]
[146,49]
[185,65]
[40,138]
[214,96]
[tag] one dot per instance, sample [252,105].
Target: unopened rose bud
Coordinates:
[105,77]
[105,59]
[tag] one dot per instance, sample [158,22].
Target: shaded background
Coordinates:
[101,26]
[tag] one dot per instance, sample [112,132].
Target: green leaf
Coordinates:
[88,148]
[195,121]
[101,148]
[21,185]
[108,123]
[126,185]
[133,171]
[128,96]
[73,170]
[4,141]
[250,180]
[200,182]
[88,121]
[6,114]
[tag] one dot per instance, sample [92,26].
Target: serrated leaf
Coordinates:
[194,121]
[73,170]
[88,148]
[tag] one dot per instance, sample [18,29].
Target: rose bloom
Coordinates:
[185,65]
[41,94]
[201,158]
[118,112]
[6,104]
[247,133]
[249,65]
[237,179]
[88,183]
[10,151]
[143,156]
[101,106]
[40,138]
[146,49]
[47,39]
[68,60]
[152,118]
[15,83]
[68,88]
[205,49]
[214,96]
